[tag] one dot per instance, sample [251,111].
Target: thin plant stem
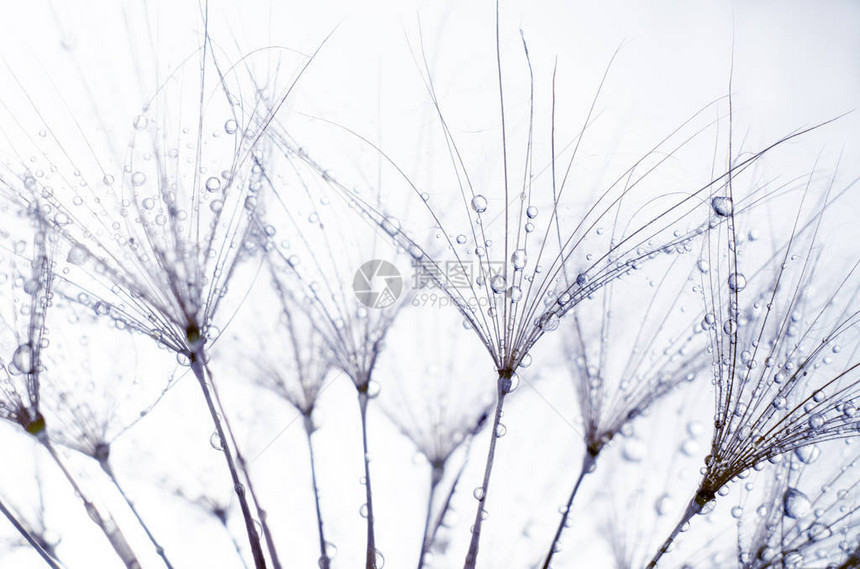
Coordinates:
[324,561]
[112,477]
[238,487]
[363,398]
[692,509]
[446,505]
[243,466]
[236,546]
[109,527]
[34,543]
[587,467]
[504,386]
[264,521]
[427,539]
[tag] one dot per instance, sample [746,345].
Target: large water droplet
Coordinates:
[497,283]
[795,503]
[518,259]
[816,421]
[722,206]
[737,282]
[101,308]
[138,179]
[549,322]
[634,450]
[230,126]
[22,359]
[213,184]
[479,203]
[215,441]
[818,531]
[531,212]
[77,254]
[664,505]
[391,225]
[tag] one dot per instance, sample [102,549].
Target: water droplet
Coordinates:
[362,511]
[138,179]
[737,282]
[795,503]
[215,441]
[479,203]
[722,206]
[77,254]
[461,239]
[549,322]
[816,421]
[478,493]
[689,447]
[582,279]
[230,127]
[518,259]
[373,388]
[531,212]
[140,122]
[737,512]
[101,308]
[634,450]
[664,505]
[22,359]
[213,184]
[497,283]
[515,293]
[501,430]
[818,531]
[391,225]
[703,266]
[695,428]
[216,206]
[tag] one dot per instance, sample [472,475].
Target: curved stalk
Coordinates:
[371,541]
[692,509]
[325,561]
[238,487]
[587,464]
[34,543]
[243,466]
[112,532]
[426,538]
[504,386]
[106,467]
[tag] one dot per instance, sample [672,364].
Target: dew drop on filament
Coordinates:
[479,204]
[795,503]
[722,206]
